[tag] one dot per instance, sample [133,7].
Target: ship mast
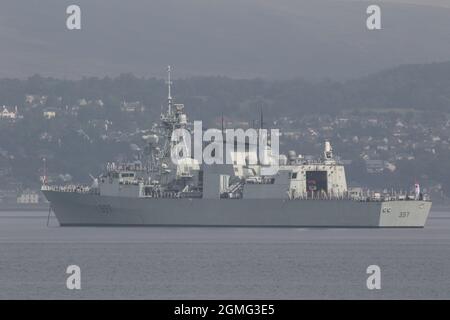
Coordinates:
[169,120]
[169,94]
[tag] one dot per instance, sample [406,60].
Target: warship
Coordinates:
[155,191]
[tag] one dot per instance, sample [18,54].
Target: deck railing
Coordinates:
[70,188]
[364,197]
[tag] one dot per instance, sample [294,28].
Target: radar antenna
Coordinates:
[328,152]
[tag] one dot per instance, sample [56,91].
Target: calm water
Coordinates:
[221,263]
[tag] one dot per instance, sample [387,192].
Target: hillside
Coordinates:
[419,87]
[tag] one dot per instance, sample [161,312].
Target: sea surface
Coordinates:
[221,263]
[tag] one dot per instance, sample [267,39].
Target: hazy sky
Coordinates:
[239,38]
[440,3]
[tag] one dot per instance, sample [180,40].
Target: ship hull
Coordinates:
[78,209]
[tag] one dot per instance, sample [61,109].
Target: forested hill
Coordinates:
[421,87]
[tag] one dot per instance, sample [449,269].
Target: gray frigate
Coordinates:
[158,192]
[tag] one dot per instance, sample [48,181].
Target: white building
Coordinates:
[135,106]
[49,113]
[6,114]
[28,197]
